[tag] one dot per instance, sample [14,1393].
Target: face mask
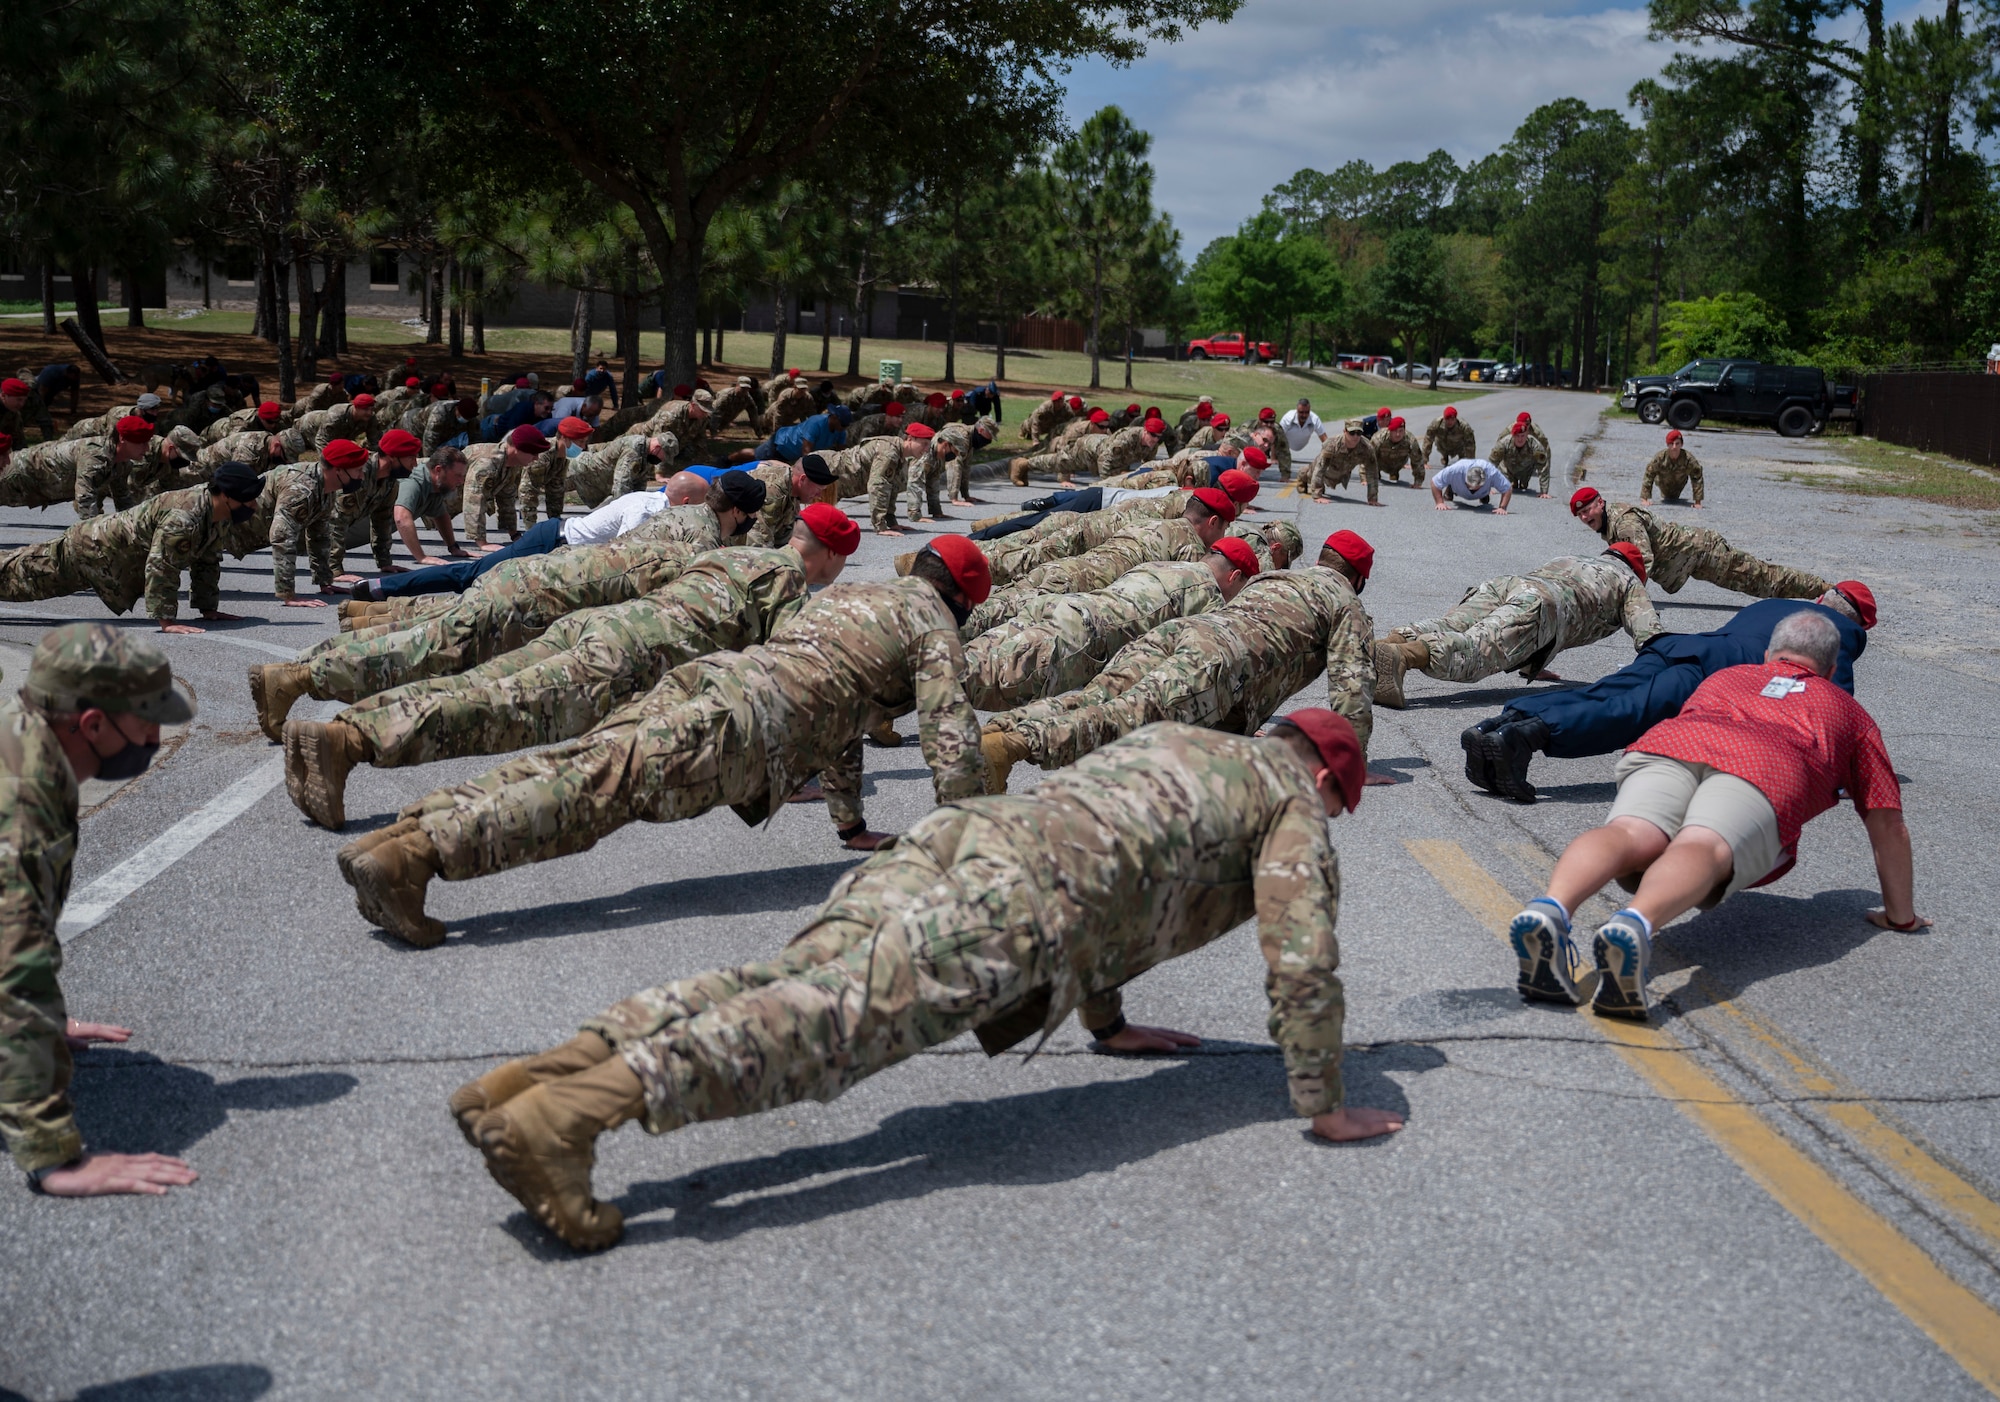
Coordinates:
[350,487]
[240,514]
[128,763]
[573,451]
[959,612]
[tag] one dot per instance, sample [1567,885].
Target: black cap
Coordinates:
[236,481]
[816,469]
[745,492]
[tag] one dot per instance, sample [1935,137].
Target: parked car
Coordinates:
[1505,373]
[1477,371]
[1794,399]
[1448,370]
[1230,345]
[1359,361]
[1397,372]
[1647,395]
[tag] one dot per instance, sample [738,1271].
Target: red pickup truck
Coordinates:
[1230,345]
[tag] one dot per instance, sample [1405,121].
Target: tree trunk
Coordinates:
[579,331]
[628,299]
[778,328]
[307,353]
[708,338]
[825,334]
[854,309]
[478,279]
[1000,348]
[205,268]
[434,333]
[335,337]
[721,334]
[951,320]
[83,288]
[1096,315]
[260,325]
[455,303]
[680,296]
[1128,355]
[128,290]
[281,321]
[49,297]
[1869,121]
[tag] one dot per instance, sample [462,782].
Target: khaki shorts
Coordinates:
[1672,794]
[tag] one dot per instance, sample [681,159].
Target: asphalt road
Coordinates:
[1786,1190]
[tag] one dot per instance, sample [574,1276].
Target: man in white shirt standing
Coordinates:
[1301,427]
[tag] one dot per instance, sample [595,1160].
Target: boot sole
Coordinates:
[1621,995]
[1505,783]
[1478,768]
[258,698]
[471,1102]
[523,1178]
[324,801]
[1543,976]
[372,898]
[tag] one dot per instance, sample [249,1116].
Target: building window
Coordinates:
[239,265]
[382,270]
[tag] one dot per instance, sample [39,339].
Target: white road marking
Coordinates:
[290,654]
[98,899]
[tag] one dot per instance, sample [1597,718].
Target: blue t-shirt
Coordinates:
[815,435]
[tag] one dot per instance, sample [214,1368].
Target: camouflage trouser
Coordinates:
[1144,479]
[960,474]
[1671,485]
[1714,560]
[490,486]
[34,1059]
[1013,557]
[1327,475]
[544,485]
[1063,462]
[21,485]
[1151,679]
[1390,466]
[926,489]
[50,569]
[1281,455]
[388,615]
[907,954]
[554,688]
[1018,663]
[94,484]
[735,400]
[1492,630]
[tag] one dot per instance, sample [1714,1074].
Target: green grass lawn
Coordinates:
[1880,469]
[1238,390]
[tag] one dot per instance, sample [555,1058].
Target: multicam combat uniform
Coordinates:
[676,420]
[313,431]
[1003,915]
[512,604]
[1137,542]
[1672,474]
[1337,460]
[744,729]
[1227,669]
[596,475]
[492,487]
[1045,418]
[587,664]
[1395,449]
[738,400]
[1452,438]
[304,511]
[959,469]
[46,474]
[440,425]
[245,421]
[101,425]
[370,514]
[1516,623]
[1675,554]
[252,446]
[138,552]
[793,404]
[156,472]
[772,530]
[1058,642]
[1520,459]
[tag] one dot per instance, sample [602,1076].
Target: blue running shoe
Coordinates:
[1623,950]
[1548,958]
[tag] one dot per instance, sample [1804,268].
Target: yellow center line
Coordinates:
[1846,1105]
[1956,1319]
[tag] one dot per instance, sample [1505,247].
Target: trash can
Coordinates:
[892,371]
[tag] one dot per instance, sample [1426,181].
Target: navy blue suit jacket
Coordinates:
[1611,713]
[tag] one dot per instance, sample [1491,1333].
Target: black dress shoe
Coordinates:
[1512,748]
[1478,764]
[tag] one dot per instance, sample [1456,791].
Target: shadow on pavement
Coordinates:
[213,1382]
[1048,1136]
[786,888]
[134,1104]
[1759,934]
[1597,795]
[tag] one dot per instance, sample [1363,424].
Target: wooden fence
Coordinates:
[1956,415]
[1046,333]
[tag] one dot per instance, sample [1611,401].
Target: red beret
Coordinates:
[343,453]
[1055,396]
[1629,553]
[1582,497]
[919,431]
[579,386]
[573,427]
[398,443]
[1382,412]
[364,401]
[1396,422]
[440,391]
[967,565]
[1332,734]
[680,391]
[792,370]
[1216,500]
[1518,429]
[466,408]
[1673,435]
[1076,403]
[1353,549]
[1521,417]
[1156,427]
[522,383]
[6,442]
[936,399]
[1204,411]
[270,409]
[1862,597]
[1098,416]
[1240,485]
[1153,411]
[134,429]
[1132,409]
[1451,411]
[894,409]
[1219,421]
[833,528]
[334,379]
[1254,455]
[1238,552]
[412,382]
[958,394]
[13,386]
[529,439]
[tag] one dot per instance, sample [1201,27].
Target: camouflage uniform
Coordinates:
[888,471]
[778,384]
[491,487]
[1189,424]
[738,400]
[373,509]
[1521,462]
[587,664]
[100,425]
[304,511]
[1227,669]
[1058,642]
[1066,456]
[389,404]
[45,475]
[1451,437]
[245,420]
[509,607]
[156,472]
[790,405]
[1068,533]
[875,426]
[597,475]
[1044,419]
[675,420]
[1676,553]
[1672,474]
[1396,449]
[14,422]
[1137,542]
[122,557]
[252,446]
[959,469]
[320,427]
[1204,439]
[1119,452]
[1281,452]
[1001,916]
[744,729]
[1516,623]
[772,529]
[1334,467]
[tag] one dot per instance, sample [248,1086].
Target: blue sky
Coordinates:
[1237,108]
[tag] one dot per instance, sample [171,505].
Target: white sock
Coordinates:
[1551,900]
[1644,923]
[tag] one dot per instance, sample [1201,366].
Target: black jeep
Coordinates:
[1794,399]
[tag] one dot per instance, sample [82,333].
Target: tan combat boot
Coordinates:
[541,1144]
[1003,750]
[905,563]
[1017,471]
[885,735]
[1392,660]
[274,686]
[389,875]
[354,608]
[991,521]
[503,1083]
[318,757]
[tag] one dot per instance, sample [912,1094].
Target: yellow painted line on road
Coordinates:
[1844,1104]
[1955,1318]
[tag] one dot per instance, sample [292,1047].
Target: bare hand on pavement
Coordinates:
[1134,1038]
[1353,1122]
[81,1034]
[100,1175]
